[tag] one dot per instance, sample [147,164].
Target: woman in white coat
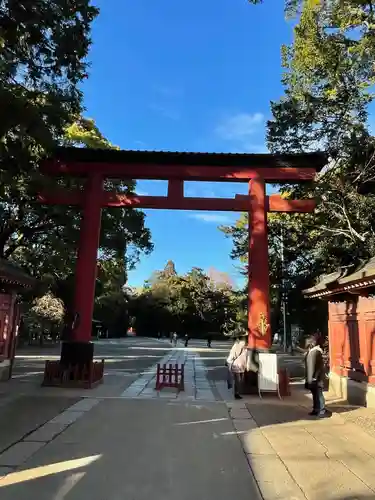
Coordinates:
[236,363]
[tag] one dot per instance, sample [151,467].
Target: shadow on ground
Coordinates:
[292,408]
[23,414]
[296,456]
[123,449]
[355,497]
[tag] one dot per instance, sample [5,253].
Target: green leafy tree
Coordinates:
[296,236]
[43,60]
[191,303]
[112,310]
[43,53]
[123,231]
[328,85]
[44,315]
[52,256]
[328,81]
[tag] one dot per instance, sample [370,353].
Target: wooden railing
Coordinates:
[170,376]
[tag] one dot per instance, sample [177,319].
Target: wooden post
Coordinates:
[157,377]
[175,190]
[259,305]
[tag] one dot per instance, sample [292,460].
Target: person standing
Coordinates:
[209,340]
[236,363]
[315,375]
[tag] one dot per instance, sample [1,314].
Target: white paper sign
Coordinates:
[268,378]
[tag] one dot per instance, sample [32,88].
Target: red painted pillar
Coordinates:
[259,304]
[86,266]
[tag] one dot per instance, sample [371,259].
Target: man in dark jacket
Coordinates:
[315,375]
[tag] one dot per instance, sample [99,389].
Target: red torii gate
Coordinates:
[255,169]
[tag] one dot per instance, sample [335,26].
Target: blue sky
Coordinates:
[186,76]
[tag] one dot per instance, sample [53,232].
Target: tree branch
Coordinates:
[344,232]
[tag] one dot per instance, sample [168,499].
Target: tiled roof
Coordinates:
[87,155]
[365,270]
[10,273]
[342,281]
[325,282]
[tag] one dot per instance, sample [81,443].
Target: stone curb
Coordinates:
[16,454]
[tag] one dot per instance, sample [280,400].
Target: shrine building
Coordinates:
[351,331]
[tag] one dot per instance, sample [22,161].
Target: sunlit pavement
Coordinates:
[128,356]
[133,449]
[115,443]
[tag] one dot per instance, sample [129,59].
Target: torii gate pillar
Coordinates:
[258,268]
[78,349]
[86,267]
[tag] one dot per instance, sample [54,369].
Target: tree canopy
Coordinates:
[44,46]
[187,304]
[328,83]
[43,62]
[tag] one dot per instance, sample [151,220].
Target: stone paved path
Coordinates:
[128,441]
[133,449]
[104,449]
[296,457]
[197,386]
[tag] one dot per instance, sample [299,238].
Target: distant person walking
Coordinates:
[315,375]
[174,338]
[186,340]
[209,340]
[236,363]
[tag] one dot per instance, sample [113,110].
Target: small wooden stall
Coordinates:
[12,281]
[351,331]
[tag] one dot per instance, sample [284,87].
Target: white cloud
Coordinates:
[211,217]
[240,130]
